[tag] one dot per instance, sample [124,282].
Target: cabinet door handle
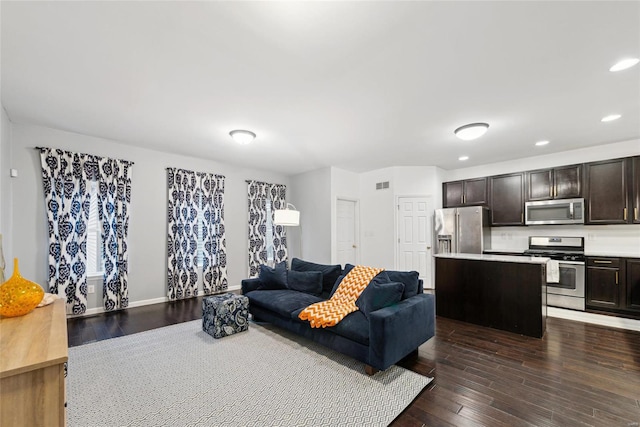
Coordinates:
[555,191]
[464,198]
[522,217]
[616,277]
[624,216]
[597,261]
[635,214]
[550,191]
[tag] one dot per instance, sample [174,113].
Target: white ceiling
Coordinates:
[357,85]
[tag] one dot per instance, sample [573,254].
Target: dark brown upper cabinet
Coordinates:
[507,199]
[635,185]
[558,183]
[469,192]
[606,192]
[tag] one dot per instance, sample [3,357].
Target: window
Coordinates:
[95,264]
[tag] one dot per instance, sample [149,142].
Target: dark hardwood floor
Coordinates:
[577,375]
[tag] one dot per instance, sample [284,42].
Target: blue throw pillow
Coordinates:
[329,272]
[408,278]
[273,278]
[309,282]
[379,295]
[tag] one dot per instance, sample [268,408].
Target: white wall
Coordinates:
[311,194]
[5,190]
[148,222]
[621,240]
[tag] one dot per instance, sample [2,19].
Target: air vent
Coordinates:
[382,185]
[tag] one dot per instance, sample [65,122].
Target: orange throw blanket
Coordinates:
[330,312]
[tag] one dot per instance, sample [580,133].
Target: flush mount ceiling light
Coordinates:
[541,143]
[463,158]
[624,64]
[611,117]
[242,137]
[471,131]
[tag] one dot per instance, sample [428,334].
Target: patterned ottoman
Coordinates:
[225,314]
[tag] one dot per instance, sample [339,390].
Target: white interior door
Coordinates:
[346,213]
[414,236]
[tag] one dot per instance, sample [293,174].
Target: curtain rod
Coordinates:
[84,154]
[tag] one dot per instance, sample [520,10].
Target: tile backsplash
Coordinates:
[614,240]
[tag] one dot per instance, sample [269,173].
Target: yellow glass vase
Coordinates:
[18,296]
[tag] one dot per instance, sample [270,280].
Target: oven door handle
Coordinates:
[571,262]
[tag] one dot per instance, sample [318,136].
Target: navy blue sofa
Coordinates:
[379,340]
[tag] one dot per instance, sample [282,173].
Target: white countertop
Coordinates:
[499,258]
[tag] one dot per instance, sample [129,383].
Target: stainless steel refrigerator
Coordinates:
[462,230]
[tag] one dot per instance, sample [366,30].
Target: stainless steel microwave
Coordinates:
[561,211]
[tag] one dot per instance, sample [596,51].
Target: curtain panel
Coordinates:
[195,210]
[114,198]
[182,238]
[66,177]
[213,233]
[258,193]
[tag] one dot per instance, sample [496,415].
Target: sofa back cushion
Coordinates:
[329,272]
[379,295]
[309,282]
[408,278]
[273,278]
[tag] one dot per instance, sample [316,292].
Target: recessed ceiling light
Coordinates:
[471,131]
[463,158]
[540,143]
[242,137]
[611,117]
[624,64]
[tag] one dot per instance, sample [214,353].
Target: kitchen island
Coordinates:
[499,291]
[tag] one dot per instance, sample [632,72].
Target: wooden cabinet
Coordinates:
[603,283]
[507,201]
[559,183]
[632,284]
[613,284]
[635,194]
[470,192]
[606,192]
[33,350]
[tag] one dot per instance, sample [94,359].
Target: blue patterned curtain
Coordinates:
[65,177]
[213,233]
[182,238]
[114,197]
[258,192]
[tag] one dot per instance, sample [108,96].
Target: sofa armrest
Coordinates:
[397,330]
[249,285]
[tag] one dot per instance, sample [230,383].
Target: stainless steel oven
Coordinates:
[568,252]
[569,292]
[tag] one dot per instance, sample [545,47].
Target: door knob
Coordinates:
[353,246]
[428,248]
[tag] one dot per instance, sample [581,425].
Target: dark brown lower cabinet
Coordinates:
[613,284]
[633,285]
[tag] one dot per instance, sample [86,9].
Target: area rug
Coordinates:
[181,376]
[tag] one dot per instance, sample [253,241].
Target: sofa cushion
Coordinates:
[408,278]
[354,326]
[282,301]
[329,272]
[379,278]
[309,282]
[379,295]
[273,278]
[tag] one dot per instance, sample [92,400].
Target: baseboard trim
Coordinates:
[596,319]
[132,304]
